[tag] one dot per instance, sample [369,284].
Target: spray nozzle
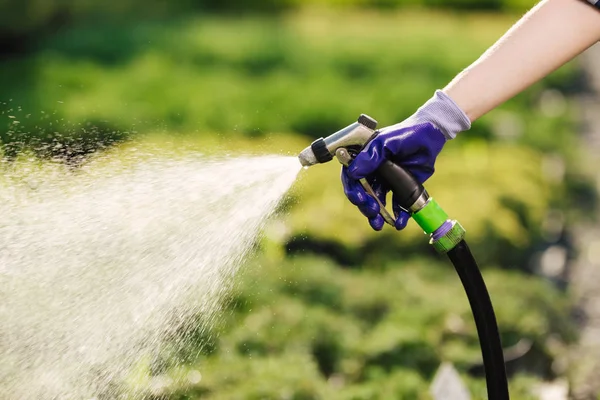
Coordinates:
[409,193]
[355,135]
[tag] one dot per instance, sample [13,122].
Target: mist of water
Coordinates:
[101,266]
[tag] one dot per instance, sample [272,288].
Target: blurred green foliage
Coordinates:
[27,18]
[328,309]
[309,72]
[302,328]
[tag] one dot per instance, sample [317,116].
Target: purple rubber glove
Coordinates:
[413,144]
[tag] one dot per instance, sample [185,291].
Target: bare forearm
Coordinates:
[550,35]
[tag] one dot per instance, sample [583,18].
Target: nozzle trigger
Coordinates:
[345,158]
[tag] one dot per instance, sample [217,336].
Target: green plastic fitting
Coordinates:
[431,218]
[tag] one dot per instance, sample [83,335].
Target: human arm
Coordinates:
[550,35]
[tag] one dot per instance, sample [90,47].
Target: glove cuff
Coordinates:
[444,113]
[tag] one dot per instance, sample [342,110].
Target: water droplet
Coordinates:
[194,377]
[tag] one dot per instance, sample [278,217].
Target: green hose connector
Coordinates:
[450,239]
[430,218]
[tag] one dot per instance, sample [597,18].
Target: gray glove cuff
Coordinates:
[444,113]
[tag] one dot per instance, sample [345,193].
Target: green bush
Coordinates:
[290,343]
[30,18]
[309,73]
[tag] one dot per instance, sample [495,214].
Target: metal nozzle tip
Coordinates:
[307,157]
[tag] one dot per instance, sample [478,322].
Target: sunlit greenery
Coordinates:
[327,308]
[309,72]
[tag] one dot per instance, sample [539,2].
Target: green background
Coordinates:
[326,308]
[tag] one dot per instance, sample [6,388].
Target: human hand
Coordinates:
[414,144]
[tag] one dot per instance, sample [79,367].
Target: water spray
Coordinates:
[105,274]
[447,236]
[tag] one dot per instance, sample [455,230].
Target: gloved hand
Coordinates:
[413,144]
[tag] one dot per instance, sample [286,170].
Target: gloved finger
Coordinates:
[358,196]
[402,217]
[367,161]
[380,191]
[377,222]
[402,220]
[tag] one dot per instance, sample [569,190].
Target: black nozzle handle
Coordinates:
[406,188]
